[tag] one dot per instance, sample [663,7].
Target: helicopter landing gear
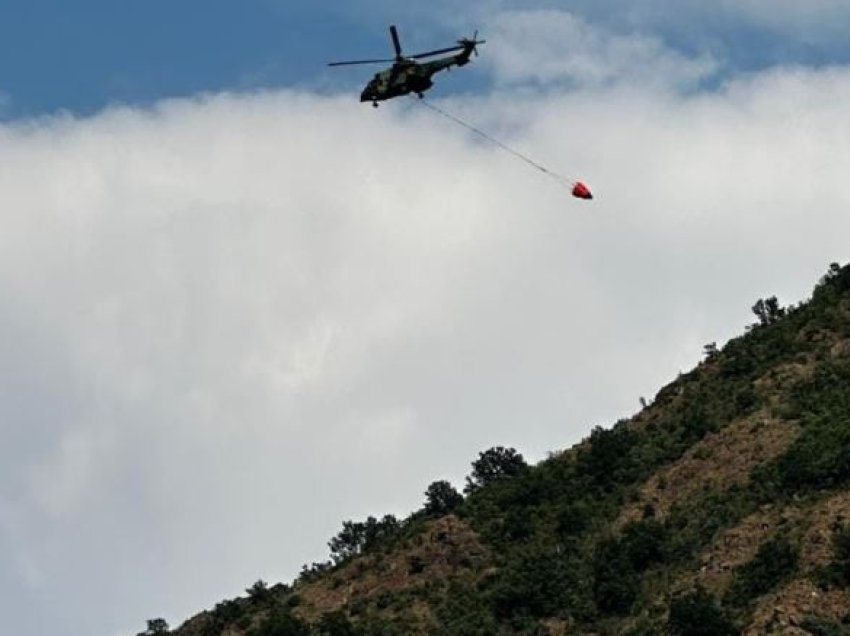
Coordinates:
[374,104]
[420,95]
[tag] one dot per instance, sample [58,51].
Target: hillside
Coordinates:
[723,507]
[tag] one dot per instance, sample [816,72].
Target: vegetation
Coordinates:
[156,627]
[281,622]
[775,562]
[576,541]
[819,626]
[841,555]
[768,311]
[493,465]
[696,613]
[259,592]
[360,537]
[836,573]
[441,499]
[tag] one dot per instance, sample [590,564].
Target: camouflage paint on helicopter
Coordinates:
[406,75]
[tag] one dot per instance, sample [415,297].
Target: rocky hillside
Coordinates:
[723,507]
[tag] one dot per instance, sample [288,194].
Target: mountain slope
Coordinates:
[723,507]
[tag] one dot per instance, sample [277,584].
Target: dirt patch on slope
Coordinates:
[784,611]
[824,519]
[840,350]
[738,545]
[814,525]
[781,612]
[775,384]
[446,549]
[717,462]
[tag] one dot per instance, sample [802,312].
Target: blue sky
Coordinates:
[80,56]
[83,55]
[223,278]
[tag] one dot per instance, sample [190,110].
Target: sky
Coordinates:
[238,307]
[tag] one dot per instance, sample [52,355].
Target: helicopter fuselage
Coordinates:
[409,76]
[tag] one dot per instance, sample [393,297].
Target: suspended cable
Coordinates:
[577,188]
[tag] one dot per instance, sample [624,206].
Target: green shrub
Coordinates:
[837,572]
[697,614]
[819,626]
[774,563]
[537,582]
[335,624]
[615,581]
[464,611]
[281,622]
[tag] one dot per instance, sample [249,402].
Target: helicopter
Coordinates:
[406,75]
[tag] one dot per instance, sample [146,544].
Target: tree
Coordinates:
[536,580]
[696,614]
[768,310]
[376,532]
[281,622]
[335,624]
[494,464]
[156,627]
[441,498]
[358,537]
[836,280]
[644,543]
[615,581]
[832,273]
[608,460]
[259,591]
[348,542]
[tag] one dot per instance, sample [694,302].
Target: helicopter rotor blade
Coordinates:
[449,49]
[361,62]
[461,45]
[396,43]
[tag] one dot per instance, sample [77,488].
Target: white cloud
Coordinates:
[736,33]
[546,46]
[230,323]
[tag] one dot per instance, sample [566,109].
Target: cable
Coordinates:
[562,180]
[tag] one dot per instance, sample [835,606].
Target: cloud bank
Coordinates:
[549,46]
[231,322]
[735,35]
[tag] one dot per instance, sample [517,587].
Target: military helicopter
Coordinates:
[406,75]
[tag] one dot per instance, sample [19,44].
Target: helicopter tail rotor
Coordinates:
[472,43]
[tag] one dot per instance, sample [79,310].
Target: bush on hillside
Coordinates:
[775,561]
[696,613]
